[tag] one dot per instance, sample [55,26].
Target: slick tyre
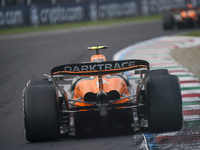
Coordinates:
[158,72]
[164,103]
[168,21]
[41,119]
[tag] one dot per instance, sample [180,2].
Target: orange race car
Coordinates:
[101,98]
[188,17]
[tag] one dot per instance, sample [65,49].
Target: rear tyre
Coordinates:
[168,21]
[194,24]
[41,113]
[164,103]
[158,72]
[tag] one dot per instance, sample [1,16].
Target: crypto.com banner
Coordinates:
[36,15]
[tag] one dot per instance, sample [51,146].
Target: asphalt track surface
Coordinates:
[29,56]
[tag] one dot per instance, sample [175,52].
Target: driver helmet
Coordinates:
[189,6]
[98,58]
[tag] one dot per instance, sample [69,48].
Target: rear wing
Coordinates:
[93,69]
[103,68]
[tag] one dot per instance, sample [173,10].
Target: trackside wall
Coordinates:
[43,14]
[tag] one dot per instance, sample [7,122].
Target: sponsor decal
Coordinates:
[93,11]
[61,14]
[112,10]
[102,68]
[34,15]
[56,14]
[98,67]
[11,18]
[144,7]
[156,6]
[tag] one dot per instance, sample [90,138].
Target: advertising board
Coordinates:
[43,14]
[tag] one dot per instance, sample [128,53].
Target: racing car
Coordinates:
[188,17]
[101,96]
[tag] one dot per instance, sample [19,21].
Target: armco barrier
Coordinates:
[35,15]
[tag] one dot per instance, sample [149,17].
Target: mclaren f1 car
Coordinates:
[102,96]
[188,17]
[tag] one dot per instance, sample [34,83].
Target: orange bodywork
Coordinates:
[109,84]
[184,14]
[189,14]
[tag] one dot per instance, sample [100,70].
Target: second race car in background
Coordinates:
[188,17]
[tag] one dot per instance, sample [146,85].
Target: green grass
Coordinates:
[75,25]
[192,33]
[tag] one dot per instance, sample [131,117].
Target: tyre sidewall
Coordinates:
[41,113]
[164,103]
